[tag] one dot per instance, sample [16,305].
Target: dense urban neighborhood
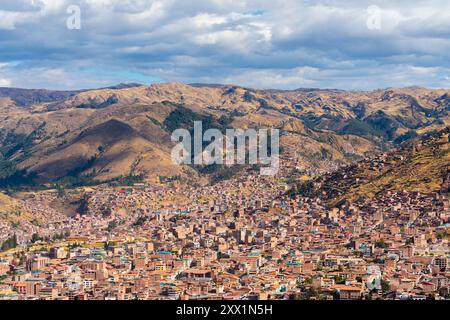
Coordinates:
[249,237]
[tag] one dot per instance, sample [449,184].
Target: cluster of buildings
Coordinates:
[239,239]
[243,238]
[31,215]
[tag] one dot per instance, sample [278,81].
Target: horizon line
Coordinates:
[131,84]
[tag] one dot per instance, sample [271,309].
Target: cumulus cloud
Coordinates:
[5,82]
[268,43]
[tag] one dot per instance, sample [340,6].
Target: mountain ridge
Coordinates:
[324,129]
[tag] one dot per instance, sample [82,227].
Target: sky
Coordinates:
[280,44]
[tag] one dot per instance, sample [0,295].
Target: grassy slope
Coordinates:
[421,171]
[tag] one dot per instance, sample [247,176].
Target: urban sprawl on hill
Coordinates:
[93,208]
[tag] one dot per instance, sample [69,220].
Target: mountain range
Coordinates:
[123,132]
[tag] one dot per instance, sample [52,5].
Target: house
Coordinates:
[348,292]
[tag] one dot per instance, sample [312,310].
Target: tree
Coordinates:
[61,191]
[83,207]
[111,226]
[339,279]
[35,238]
[381,244]
[385,286]
[311,292]
[9,243]
[140,221]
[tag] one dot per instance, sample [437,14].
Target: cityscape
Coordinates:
[232,152]
[243,238]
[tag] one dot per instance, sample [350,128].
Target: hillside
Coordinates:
[422,165]
[27,97]
[104,134]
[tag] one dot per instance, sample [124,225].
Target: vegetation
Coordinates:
[385,286]
[111,226]
[443,235]
[381,244]
[83,205]
[96,105]
[360,128]
[131,179]
[219,173]
[263,104]
[155,122]
[405,137]
[76,172]
[384,124]
[35,238]
[60,236]
[339,279]
[9,243]
[184,118]
[248,97]
[13,178]
[140,221]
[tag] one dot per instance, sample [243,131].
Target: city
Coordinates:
[216,158]
[243,238]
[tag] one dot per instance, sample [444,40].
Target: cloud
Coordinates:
[5,82]
[278,43]
[21,5]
